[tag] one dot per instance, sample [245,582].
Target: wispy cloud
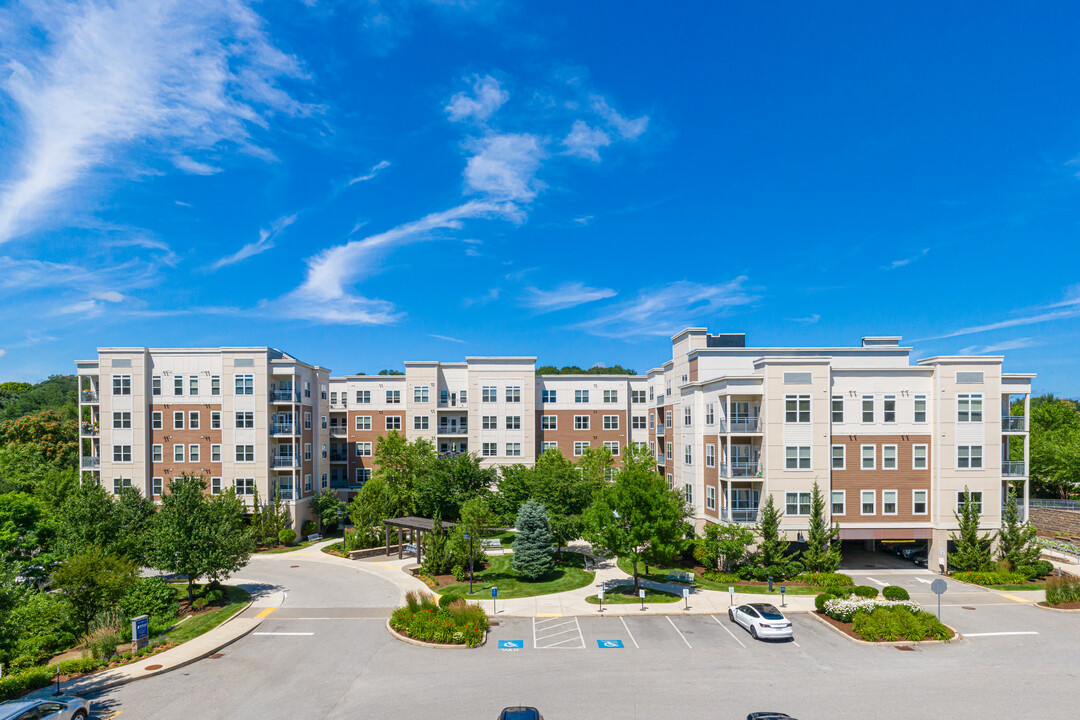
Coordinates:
[903,262]
[1015,344]
[809,320]
[264,243]
[381,165]
[627,128]
[91,306]
[564,296]
[194,167]
[447,338]
[169,257]
[490,296]
[585,142]
[1062,310]
[24,275]
[663,311]
[487,96]
[3,352]
[504,167]
[178,76]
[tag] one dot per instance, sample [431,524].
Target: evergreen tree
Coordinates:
[822,552]
[1016,540]
[972,550]
[533,550]
[773,547]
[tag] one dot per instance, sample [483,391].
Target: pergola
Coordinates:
[416,526]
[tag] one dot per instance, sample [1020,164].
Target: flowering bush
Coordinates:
[845,609]
[457,624]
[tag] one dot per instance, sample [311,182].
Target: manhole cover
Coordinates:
[493,623]
[292,566]
[966,607]
[215,656]
[905,648]
[152,667]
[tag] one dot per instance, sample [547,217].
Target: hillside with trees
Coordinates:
[575,370]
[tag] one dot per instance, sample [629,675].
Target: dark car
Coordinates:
[919,558]
[520,713]
[769,716]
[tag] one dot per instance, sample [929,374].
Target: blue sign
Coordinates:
[140,627]
[494,592]
[511,644]
[609,644]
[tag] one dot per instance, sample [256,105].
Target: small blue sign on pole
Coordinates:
[610,644]
[511,644]
[494,592]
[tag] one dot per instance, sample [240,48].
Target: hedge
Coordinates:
[890,624]
[824,579]
[12,686]
[893,592]
[865,591]
[422,619]
[992,577]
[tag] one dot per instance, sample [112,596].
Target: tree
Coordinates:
[533,552]
[56,394]
[972,551]
[225,541]
[401,464]
[726,545]
[1016,540]
[772,547]
[56,436]
[26,527]
[328,507]
[133,518]
[822,552]
[638,516]
[448,481]
[1055,447]
[86,518]
[93,580]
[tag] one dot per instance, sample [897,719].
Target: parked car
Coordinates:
[520,713]
[769,716]
[911,551]
[762,620]
[919,558]
[62,707]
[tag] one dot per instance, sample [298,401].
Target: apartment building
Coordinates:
[892,444]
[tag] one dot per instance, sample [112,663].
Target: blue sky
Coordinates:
[360,183]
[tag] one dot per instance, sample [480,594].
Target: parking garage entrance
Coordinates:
[863,549]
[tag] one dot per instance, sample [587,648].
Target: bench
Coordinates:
[680,576]
[589,565]
[410,548]
[491,544]
[314,538]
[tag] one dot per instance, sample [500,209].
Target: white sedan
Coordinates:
[763,621]
[63,707]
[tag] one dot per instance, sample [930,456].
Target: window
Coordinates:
[671,481]
[549,422]
[322,394]
[193,420]
[581,396]
[969,407]
[687,416]
[797,457]
[798,503]
[969,457]
[178,420]
[918,457]
[215,453]
[393,422]
[667,420]
[307,483]
[651,392]
[637,422]
[178,453]
[889,409]
[193,385]
[581,422]
[322,423]
[245,419]
[920,408]
[307,421]
[194,453]
[323,451]
[155,420]
[513,393]
[888,457]
[489,422]
[710,498]
[489,449]
[976,500]
[513,422]
[548,445]
[307,389]
[155,385]
[710,456]
[363,449]
[670,449]
[688,493]
[244,486]
[121,384]
[918,502]
[156,486]
[245,384]
[121,420]
[393,397]
[637,397]
[245,453]
[838,502]
[611,396]
[796,408]
[839,459]
[579,447]
[688,454]
[611,422]
[178,385]
[363,475]
[363,422]
[489,394]
[838,408]
[363,397]
[869,457]
[215,486]
[215,419]
[119,483]
[888,502]
[868,408]
[157,454]
[868,502]
[215,389]
[710,414]
[307,451]
[444,397]
[513,449]
[420,422]
[547,396]
[420,394]
[324,483]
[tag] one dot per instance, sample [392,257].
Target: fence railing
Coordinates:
[285,396]
[339,429]
[1053,504]
[743,469]
[741,425]
[1014,423]
[744,515]
[282,429]
[88,396]
[91,462]
[1013,467]
[284,461]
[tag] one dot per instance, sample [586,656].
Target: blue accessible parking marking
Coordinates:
[609,644]
[511,644]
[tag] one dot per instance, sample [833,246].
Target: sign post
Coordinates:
[686,597]
[939,587]
[140,632]
[731,595]
[783,589]
[601,596]
[770,583]
[494,594]
[641,594]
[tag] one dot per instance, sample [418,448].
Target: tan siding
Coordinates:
[904,480]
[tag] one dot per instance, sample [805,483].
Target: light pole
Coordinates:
[469,538]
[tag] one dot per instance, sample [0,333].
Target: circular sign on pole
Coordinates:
[939,586]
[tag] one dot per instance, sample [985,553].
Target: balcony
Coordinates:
[1013,423]
[741,425]
[285,493]
[660,458]
[339,430]
[284,461]
[1013,468]
[285,396]
[89,430]
[744,515]
[339,458]
[742,469]
[453,430]
[88,396]
[282,429]
[91,463]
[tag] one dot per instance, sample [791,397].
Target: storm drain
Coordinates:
[905,648]
[215,656]
[148,668]
[966,607]
[294,566]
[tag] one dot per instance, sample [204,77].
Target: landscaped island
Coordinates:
[443,623]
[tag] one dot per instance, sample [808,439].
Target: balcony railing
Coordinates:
[744,515]
[741,425]
[282,429]
[285,396]
[90,463]
[339,457]
[453,430]
[339,429]
[89,396]
[660,458]
[89,430]
[284,461]
[285,493]
[742,469]
[1013,467]
[1013,423]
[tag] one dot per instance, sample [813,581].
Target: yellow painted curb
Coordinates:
[1014,598]
[265,612]
[549,615]
[394,567]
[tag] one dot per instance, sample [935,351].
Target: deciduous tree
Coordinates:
[93,580]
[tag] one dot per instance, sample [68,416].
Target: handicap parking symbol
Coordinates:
[511,644]
[609,644]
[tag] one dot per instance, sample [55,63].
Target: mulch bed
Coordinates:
[846,628]
[444,580]
[1063,606]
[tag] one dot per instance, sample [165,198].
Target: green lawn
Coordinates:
[199,624]
[297,546]
[660,574]
[625,595]
[1028,586]
[569,574]
[506,537]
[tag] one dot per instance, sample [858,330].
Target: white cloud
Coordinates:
[663,311]
[169,258]
[194,167]
[503,167]
[490,296]
[1015,322]
[583,220]
[445,337]
[23,275]
[92,306]
[1015,344]
[119,79]
[487,97]
[381,165]
[567,295]
[264,243]
[3,352]
[584,141]
[809,320]
[903,262]
[628,129]
[108,296]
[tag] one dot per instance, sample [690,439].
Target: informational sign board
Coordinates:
[641,594]
[494,592]
[140,630]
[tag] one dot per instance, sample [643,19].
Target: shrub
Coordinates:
[1042,568]
[308,528]
[150,596]
[78,665]
[1061,590]
[823,579]
[16,684]
[892,592]
[820,600]
[200,603]
[891,624]
[722,577]
[459,573]
[446,600]
[287,536]
[458,622]
[845,609]
[45,625]
[102,643]
[865,591]
[994,577]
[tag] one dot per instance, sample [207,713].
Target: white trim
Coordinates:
[862,502]
[896,457]
[843,494]
[926,456]
[862,458]
[926,502]
[896,502]
[843,457]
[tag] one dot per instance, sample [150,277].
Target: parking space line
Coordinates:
[922,580]
[875,580]
[993,634]
[630,633]
[680,633]
[727,630]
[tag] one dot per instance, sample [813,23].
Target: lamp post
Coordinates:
[469,538]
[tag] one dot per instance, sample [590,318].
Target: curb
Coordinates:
[897,643]
[1054,609]
[436,646]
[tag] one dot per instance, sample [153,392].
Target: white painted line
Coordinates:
[556,634]
[629,633]
[993,634]
[580,636]
[875,580]
[282,633]
[680,633]
[534,633]
[927,582]
[553,646]
[551,627]
[727,631]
